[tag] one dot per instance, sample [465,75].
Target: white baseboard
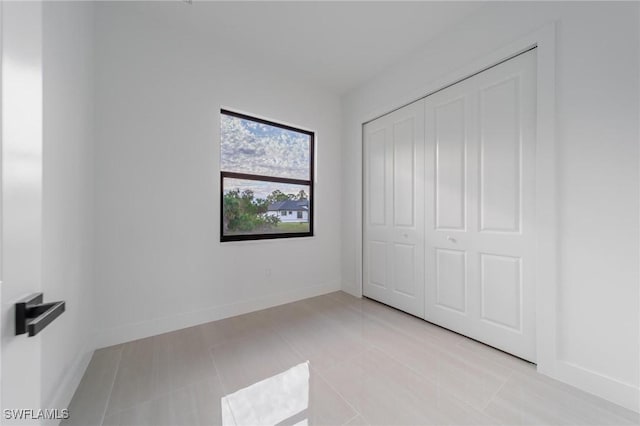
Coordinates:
[157,326]
[624,394]
[70,382]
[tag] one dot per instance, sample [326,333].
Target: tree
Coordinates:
[242,213]
[301,195]
[277,196]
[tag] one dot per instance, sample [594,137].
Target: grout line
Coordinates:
[222,383]
[373,345]
[350,419]
[113,383]
[439,386]
[274,329]
[215,367]
[490,400]
[151,397]
[321,376]
[351,357]
[342,397]
[367,344]
[161,395]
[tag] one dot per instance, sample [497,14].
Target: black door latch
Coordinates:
[33,316]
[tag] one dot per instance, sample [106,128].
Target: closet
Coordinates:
[449,205]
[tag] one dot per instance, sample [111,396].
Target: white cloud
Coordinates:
[256,148]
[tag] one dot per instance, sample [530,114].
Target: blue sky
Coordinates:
[256,148]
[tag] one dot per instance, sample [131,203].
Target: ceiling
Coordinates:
[334,45]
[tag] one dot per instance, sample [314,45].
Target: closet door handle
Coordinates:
[451,239]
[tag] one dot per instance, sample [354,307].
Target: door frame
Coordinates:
[546,269]
[1,182]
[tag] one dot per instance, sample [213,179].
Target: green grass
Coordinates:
[292,227]
[279,228]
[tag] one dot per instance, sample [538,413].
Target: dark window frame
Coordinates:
[263,178]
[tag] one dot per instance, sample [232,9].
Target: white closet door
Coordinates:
[394,209]
[480,195]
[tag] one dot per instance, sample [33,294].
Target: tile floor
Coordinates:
[333,360]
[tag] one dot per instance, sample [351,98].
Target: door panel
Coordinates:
[377,178]
[404,269]
[378,155]
[451,279]
[500,191]
[479,204]
[501,290]
[450,187]
[449,147]
[394,184]
[378,263]
[404,145]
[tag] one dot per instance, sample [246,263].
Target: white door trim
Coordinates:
[1,207]
[546,193]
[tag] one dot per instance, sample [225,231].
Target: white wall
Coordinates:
[597,91]
[159,261]
[67,257]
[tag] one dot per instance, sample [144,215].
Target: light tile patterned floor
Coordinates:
[333,360]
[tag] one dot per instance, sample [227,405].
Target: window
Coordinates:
[266,171]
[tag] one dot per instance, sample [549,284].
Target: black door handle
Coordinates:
[33,316]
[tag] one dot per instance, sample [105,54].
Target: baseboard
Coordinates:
[157,326]
[623,394]
[69,383]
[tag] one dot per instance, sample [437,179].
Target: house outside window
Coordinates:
[266,179]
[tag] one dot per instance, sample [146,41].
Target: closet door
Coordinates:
[393,246]
[480,199]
